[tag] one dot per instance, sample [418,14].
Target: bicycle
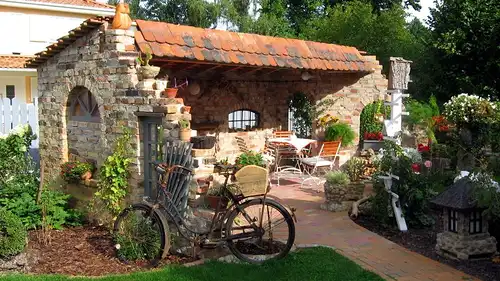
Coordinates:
[250,236]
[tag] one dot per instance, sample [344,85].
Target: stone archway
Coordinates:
[83,126]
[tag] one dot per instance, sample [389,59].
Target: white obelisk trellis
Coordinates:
[399,77]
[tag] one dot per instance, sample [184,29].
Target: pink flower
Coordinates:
[428,164]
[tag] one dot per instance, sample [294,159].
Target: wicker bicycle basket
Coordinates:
[252,180]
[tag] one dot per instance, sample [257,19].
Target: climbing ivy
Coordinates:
[114,174]
[303,112]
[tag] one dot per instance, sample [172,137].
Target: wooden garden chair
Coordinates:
[325,159]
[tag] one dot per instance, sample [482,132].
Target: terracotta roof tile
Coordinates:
[82,3]
[13,61]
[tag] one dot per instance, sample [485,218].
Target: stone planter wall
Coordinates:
[340,197]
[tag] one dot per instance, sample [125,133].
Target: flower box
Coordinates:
[376,145]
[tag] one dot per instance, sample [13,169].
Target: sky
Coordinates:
[424,12]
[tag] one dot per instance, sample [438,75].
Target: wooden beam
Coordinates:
[208,70]
[232,69]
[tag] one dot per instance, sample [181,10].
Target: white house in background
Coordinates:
[27,27]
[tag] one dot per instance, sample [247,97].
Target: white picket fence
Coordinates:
[18,112]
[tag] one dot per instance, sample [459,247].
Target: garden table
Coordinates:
[297,143]
[289,148]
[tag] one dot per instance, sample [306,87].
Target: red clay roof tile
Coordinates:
[13,61]
[82,3]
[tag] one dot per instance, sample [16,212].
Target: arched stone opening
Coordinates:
[83,126]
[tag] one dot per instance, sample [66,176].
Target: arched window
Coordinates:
[243,119]
[83,106]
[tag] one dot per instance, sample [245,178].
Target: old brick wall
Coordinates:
[82,135]
[101,63]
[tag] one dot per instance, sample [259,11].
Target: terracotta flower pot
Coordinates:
[171,92]
[86,176]
[185,134]
[187,109]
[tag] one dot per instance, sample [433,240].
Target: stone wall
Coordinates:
[104,62]
[349,91]
[81,136]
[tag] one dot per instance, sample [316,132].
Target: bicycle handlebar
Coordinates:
[162,167]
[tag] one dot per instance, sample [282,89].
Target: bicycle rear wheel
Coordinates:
[140,233]
[275,222]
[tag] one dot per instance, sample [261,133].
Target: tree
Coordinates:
[466,36]
[354,24]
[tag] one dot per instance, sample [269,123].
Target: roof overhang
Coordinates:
[58,7]
[171,42]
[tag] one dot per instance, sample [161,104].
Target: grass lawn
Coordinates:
[304,265]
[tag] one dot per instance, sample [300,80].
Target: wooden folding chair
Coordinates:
[281,134]
[326,158]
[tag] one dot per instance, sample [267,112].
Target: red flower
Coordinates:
[415,167]
[423,148]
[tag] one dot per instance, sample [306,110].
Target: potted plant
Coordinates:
[373,140]
[161,84]
[340,132]
[147,71]
[172,92]
[216,198]
[355,168]
[73,172]
[250,158]
[335,190]
[185,131]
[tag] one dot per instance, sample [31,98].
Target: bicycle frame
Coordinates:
[218,219]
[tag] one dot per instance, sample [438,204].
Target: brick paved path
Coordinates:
[368,249]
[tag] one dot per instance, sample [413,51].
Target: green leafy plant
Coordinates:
[368,122]
[13,234]
[486,194]
[337,178]
[250,158]
[144,61]
[184,124]
[342,132]
[302,111]
[354,167]
[73,171]
[114,174]
[414,190]
[56,212]
[138,240]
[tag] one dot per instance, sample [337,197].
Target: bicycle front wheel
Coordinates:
[273,227]
[140,234]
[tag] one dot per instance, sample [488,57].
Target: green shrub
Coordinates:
[414,190]
[368,123]
[114,174]
[138,239]
[250,158]
[337,178]
[56,212]
[342,132]
[12,234]
[354,167]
